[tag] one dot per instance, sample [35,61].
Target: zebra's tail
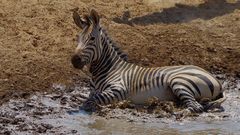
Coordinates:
[215,103]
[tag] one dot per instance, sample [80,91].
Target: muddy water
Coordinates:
[59,113]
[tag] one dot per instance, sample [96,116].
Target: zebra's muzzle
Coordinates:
[77,62]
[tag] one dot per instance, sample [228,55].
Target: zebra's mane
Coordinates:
[121,54]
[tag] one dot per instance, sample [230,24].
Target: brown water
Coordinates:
[59,112]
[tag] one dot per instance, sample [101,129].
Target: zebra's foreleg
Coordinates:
[104,98]
[188,100]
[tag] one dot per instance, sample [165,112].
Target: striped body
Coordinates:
[138,83]
[114,79]
[163,83]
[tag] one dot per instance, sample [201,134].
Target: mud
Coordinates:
[38,37]
[38,88]
[59,113]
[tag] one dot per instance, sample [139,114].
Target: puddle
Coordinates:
[59,113]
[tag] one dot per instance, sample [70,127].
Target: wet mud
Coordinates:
[59,113]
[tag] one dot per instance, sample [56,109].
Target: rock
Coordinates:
[63,100]
[160,116]
[210,49]
[41,129]
[47,126]
[56,96]
[181,31]
[74,131]
[130,120]
[226,116]
[220,76]
[30,105]
[34,97]
[73,105]
[59,87]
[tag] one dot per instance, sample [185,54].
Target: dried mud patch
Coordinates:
[39,37]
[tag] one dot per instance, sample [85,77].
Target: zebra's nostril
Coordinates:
[77,62]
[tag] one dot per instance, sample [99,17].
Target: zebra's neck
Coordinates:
[108,60]
[114,45]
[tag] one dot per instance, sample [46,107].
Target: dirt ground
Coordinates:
[38,38]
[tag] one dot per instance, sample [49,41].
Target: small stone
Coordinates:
[74,131]
[210,49]
[225,116]
[63,100]
[220,76]
[41,129]
[220,25]
[34,97]
[130,120]
[160,116]
[47,126]
[29,104]
[181,123]
[56,96]
[182,31]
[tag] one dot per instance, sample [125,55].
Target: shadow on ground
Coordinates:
[181,13]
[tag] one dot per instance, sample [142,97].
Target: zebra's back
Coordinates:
[162,83]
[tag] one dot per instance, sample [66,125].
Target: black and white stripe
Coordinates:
[114,79]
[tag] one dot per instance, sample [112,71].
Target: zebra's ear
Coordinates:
[95,17]
[79,21]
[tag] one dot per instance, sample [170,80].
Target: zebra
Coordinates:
[114,79]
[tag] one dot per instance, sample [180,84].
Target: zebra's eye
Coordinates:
[92,38]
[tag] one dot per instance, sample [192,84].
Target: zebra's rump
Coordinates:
[196,81]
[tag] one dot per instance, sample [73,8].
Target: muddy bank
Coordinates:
[38,37]
[59,112]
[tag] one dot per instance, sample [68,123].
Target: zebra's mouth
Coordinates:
[77,62]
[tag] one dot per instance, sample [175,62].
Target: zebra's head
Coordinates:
[89,46]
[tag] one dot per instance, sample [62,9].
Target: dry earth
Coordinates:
[38,37]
